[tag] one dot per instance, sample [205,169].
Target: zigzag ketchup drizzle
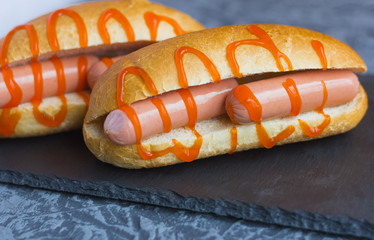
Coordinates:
[107,61]
[290,95]
[233,140]
[319,49]
[9,117]
[178,56]
[166,121]
[51,28]
[264,41]
[8,120]
[316,131]
[114,13]
[242,93]
[294,96]
[184,153]
[153,20]
[254,108]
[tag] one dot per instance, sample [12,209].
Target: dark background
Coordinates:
[33,213]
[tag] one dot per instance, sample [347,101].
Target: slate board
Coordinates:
[323,185]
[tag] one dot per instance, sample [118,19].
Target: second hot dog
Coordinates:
[74,72]
[98,68]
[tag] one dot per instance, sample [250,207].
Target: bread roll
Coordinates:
[103,28]
[158,61]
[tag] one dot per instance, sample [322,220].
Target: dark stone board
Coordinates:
[324,185]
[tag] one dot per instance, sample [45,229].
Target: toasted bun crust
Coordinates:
[29,126]
[158,62]
[19,51]
[90,12]
[216,135]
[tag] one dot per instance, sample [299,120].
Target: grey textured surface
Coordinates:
[34,213]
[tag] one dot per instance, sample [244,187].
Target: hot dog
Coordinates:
[99,68]
[312,93]
[273,94]
[49,57]
[209,99]
[23,76]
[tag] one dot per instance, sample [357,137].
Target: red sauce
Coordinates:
[264,41]
[190,104]
[138,72]
[325,96]
[114,13]
[107,61]
[34,46]
[316,131]
[8,121]
[269,142]
[82,73]
[318,48]
[178,56]
[294,96]
[47,120]
[133,117]
[234,139]
[152,20]
[13,88]
[51,28]
[166,121]
[246,97]
[230,112]
[186,154]
[85,97]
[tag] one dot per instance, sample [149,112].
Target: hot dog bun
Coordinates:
[28,126]
[158,61]
[90,12]
[36,44]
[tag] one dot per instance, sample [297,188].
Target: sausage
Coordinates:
[210,102]
[342,86]
[98,68]
[24,77]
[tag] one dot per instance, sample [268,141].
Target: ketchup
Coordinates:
[294,96]
[152,20]
[166,121]
[318,48]
[316,131]
[9,118]
[50,121]
[184,153]
[244,95]
[264,41]
[107,61]
[207,63]
[114,13]
[233,139]
[51,28]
